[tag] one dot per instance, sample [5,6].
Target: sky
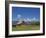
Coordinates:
[26,13]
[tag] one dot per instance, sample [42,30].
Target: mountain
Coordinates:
[26,21]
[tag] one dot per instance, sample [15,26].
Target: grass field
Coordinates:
[26,27]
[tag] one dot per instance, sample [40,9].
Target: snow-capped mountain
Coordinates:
[27,21]
[24,21]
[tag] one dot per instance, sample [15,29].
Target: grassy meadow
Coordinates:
[25,27]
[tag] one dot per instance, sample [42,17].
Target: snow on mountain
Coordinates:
[21,20]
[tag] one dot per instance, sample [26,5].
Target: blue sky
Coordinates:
[25,12]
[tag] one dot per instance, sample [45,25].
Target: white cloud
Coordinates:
[18,16]
[33,18]
[28,19]
[25,20]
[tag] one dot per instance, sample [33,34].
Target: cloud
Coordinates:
[25,20]
[28,19]
[18,16]
[33,18]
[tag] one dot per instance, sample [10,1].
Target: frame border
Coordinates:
[7,17]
